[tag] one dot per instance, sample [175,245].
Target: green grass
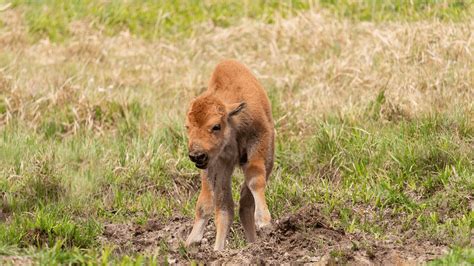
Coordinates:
[420,170]
[456,257]
[149,19]
[158,19]
[379,10]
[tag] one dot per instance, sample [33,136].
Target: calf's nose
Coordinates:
[197,157]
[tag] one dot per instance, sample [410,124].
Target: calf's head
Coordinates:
[208,127]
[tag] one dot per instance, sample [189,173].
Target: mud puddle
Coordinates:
[302,237]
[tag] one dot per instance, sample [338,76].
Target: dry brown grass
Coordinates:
[312,63]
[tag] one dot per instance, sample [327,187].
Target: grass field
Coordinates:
[372,101]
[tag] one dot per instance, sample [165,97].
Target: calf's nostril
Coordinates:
[193,157]
[201,157]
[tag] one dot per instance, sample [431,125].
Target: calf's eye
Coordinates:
[216,127]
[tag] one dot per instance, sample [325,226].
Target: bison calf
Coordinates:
[231,124]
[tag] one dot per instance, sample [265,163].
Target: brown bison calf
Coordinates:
[231,124]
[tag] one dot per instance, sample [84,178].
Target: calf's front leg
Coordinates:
[224,210]
[204,208]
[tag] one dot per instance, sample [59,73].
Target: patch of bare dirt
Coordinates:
[303,237]
[16,260]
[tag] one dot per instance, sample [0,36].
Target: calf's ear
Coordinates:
[235,108]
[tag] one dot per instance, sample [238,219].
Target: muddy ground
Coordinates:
[302,237]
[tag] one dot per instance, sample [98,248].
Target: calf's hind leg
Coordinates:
[255,179]
[246,213]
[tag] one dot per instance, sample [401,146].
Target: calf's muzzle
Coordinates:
[200,159]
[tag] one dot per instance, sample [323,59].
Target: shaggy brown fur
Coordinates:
[231,124]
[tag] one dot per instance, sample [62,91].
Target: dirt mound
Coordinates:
[304,236]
